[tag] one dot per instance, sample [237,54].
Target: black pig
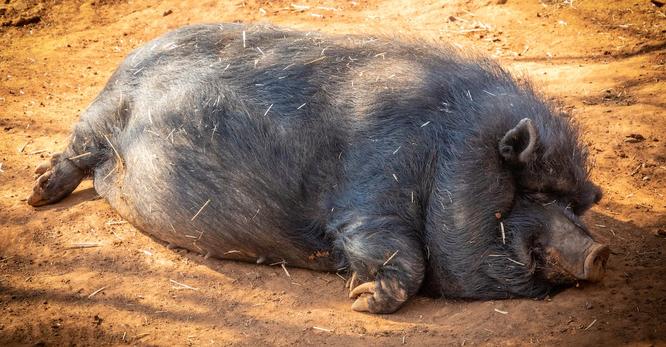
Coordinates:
[415,167]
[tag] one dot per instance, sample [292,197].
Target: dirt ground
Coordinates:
[604,61]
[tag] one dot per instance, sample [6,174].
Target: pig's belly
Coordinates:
[188,207]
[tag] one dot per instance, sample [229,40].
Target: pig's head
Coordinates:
[517,228]
[552,191]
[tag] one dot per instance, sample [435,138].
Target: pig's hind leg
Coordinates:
[58,177]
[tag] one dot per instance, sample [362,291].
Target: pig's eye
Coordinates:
[578,209]
[543,198]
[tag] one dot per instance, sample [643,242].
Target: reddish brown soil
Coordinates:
[603,60]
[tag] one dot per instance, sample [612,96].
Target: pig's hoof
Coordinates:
[56,180]
[39,196]
[42,168]
[47,165]
[374,298]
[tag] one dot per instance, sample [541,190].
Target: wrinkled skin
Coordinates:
[412,167]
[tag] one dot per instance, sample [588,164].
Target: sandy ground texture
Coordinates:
[602,60]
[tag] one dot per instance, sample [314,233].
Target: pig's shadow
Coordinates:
[625,242]
[76,198]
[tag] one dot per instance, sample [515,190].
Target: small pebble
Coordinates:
[634,138]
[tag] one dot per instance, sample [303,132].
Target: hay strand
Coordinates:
[182,285]
[95,292]
[201,209]
[391,257]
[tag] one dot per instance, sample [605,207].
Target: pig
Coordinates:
[411,166]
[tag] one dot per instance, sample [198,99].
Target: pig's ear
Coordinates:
[519,144]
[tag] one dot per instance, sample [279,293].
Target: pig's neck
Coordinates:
[462,228]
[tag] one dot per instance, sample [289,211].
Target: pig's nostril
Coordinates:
[595,262]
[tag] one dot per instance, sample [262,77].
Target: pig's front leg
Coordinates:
[386,258]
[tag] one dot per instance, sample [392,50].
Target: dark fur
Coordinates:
[395,150]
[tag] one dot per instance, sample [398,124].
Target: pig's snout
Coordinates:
[594,268]
[574,254]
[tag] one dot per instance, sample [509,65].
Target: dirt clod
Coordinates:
[634,138]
